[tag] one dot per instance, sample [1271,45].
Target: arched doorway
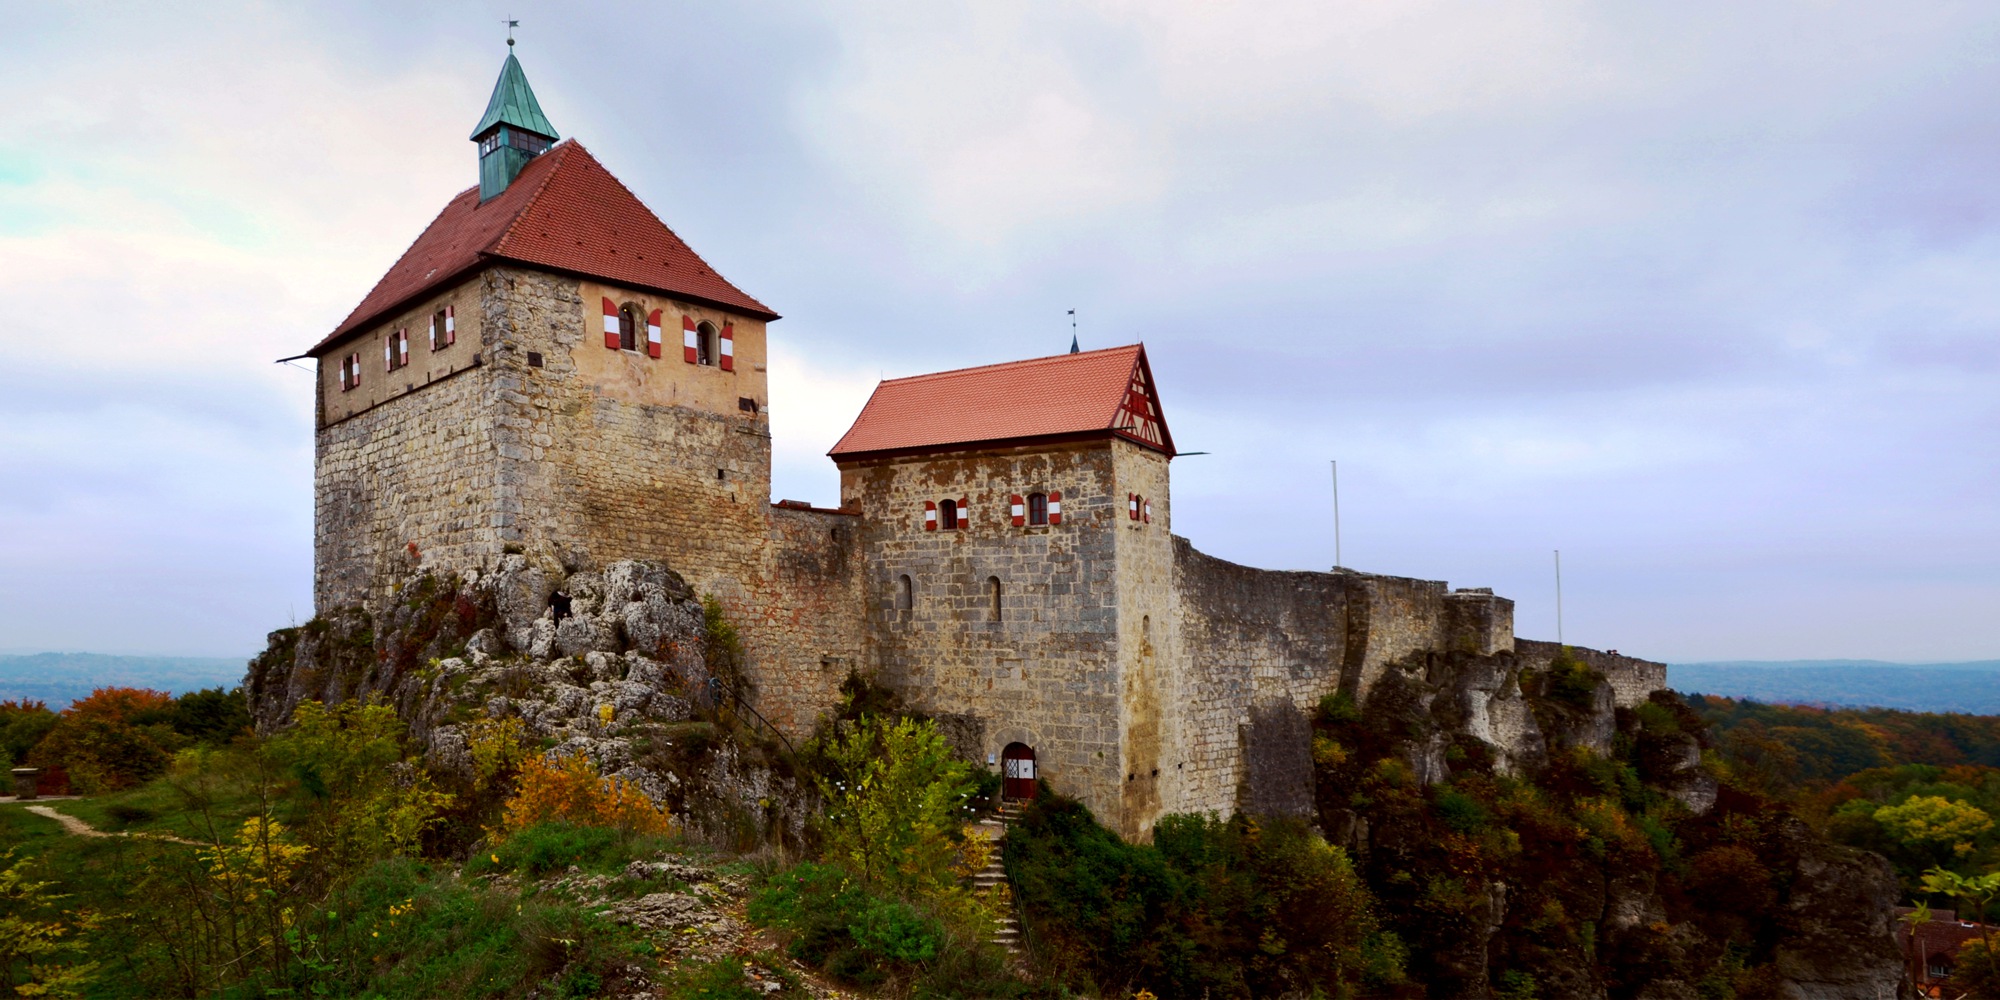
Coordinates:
[1017,771]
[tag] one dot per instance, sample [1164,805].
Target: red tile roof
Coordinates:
[1063,395]
[564,212]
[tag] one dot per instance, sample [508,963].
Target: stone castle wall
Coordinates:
[1633,680]
[1044,672]
[1259,648]
[1148,635]
[808,632]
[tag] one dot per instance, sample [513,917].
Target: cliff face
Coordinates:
[1529,827]
[619,665]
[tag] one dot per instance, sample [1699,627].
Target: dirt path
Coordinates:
[71,824]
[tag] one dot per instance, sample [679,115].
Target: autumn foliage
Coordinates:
[571,790]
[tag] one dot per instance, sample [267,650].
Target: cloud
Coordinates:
[1700,294]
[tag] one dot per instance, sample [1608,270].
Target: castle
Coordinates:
[550,371]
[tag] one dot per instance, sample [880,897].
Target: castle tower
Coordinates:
[547,371]
[1019,562]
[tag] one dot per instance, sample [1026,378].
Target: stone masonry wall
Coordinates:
[592,472]
[1259,648]
[1148,637]
[809,626]
[415,469]
[1632,680]
[1045,671]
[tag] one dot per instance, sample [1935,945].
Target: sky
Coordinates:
[1703,295]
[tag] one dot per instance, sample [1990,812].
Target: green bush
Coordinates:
[839,926]
[1237,908]
[550,847]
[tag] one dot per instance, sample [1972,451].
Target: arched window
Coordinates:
[948,514]
[1038,508]
[906,597]
[993,596]
[628,327]
[705,344]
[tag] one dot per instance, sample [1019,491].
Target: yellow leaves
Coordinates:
[1934,819]
[498,747]
[1327,753]
[605,713]
[572,790]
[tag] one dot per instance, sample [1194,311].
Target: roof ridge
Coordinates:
[1016,363]
[561,152]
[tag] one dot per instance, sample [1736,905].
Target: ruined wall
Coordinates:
[1632,679]
[1044,672]
[1259,648]
[808,628]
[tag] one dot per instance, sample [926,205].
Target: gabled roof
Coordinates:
[513,103]
[565,212]
[1064,396]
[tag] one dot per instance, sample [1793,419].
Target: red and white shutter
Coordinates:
[692,339]
[728,347]
[964,512]
[930,515]
[653,334]
[610,324]
[1055,507]
[402,348]
[389,353]
[1132,506]
[436,334]
[450,325]
[1146,511]
[354,379]
[1017,508]
[344,386]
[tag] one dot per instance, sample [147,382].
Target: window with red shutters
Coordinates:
[1038,508]
[948,515]
[628,327]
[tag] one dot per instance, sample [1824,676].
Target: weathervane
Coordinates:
[511,25]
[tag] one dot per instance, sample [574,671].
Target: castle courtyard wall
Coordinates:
[809,628]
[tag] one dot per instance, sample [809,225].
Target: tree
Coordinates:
[1934,825]
[895,803]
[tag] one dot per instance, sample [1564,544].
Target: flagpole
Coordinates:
[1336,513]
[1559,597]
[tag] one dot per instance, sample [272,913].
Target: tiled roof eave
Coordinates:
[427,290]
[756,312]
[990,444]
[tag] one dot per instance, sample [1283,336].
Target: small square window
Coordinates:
[534,359]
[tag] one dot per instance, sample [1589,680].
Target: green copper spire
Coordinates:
[513,130]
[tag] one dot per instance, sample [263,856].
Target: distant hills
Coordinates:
[1972,687]
[60,678]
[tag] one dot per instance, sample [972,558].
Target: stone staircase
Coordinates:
[1008,934]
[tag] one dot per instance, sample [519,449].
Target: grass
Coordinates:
[159,807]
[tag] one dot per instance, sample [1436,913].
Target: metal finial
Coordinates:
[511,25]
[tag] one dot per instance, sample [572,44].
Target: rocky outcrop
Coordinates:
[612,664]
[1675,878]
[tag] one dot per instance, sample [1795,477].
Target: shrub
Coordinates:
[211,716]
[571,790]
[548,847]
[838,925]
[22,725]
[896,802]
